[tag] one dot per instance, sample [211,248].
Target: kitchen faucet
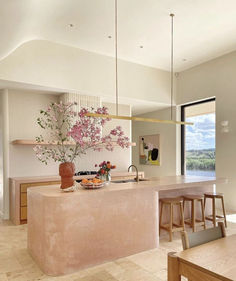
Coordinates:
[137,178]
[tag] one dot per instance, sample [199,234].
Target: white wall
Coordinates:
[167,144]
[50,64]
[1,154]
[53,65]
[24,107]
[18,113]
[217,78]
[119,157]
[4,154]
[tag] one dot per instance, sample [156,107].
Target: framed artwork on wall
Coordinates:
[149,150]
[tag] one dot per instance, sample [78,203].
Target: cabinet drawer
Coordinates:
[24,186]
[23,199]
[23,213]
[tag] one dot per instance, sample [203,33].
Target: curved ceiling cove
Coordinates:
[203,29]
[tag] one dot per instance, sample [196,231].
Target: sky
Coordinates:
[202,134]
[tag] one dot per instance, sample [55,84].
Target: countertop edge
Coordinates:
[155,185]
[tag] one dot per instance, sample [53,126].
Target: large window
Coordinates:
[198,141]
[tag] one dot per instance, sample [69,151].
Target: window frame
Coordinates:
[183,170]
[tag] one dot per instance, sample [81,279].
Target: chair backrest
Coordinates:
[194,239]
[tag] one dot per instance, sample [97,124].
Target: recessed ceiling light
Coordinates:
[71,25]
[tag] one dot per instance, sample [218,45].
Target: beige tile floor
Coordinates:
[17,265]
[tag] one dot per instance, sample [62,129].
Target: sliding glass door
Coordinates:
[198,141]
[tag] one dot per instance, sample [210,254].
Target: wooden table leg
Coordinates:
[173,267]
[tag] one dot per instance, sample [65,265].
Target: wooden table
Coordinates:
[212,261]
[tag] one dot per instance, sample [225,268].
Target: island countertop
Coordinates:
[156,183]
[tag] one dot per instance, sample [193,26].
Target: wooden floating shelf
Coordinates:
[33,142]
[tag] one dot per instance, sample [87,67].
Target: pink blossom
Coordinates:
[113,132]
[86,132]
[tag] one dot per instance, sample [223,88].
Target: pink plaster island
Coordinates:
[71,231]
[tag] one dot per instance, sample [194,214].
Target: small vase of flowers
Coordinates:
[104,171]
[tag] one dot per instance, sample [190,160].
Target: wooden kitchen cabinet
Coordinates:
[19,186]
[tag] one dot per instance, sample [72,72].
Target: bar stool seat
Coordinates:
[214,217]
[193,221]
[214,194]
[193,196]
[171,200]
[171,226]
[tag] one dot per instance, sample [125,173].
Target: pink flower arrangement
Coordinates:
[63,125]
[105,168]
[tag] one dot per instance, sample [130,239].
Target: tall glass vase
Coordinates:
[106,178]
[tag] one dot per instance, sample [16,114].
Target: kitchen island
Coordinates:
[20,185]
[71,231]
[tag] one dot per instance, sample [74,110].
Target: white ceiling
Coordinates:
[204,29]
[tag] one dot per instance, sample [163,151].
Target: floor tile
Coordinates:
[3,277]
[17,265]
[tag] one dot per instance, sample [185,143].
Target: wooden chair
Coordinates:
[214,217]
[193,199]
[171,226]
[190,240]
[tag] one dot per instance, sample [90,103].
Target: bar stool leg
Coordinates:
[160,219]
[171,222]
[214,211]
[182,215]
[203,214]
[223,207]
[184,209]
[193,216]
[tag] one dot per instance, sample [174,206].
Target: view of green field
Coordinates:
[203,159]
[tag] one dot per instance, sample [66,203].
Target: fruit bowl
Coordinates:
[92,184]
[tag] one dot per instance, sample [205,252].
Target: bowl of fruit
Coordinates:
[94,183]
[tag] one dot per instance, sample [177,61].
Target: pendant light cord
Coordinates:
[116,57]
[129,118]
[172,65]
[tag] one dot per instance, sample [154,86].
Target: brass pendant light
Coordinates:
[133,118]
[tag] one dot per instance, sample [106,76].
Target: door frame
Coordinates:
[183,130]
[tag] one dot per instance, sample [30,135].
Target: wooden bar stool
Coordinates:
[193,221]
[214,217]
[171,226]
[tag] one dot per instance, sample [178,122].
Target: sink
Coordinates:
[144,179]
[131,180]
[123,181]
